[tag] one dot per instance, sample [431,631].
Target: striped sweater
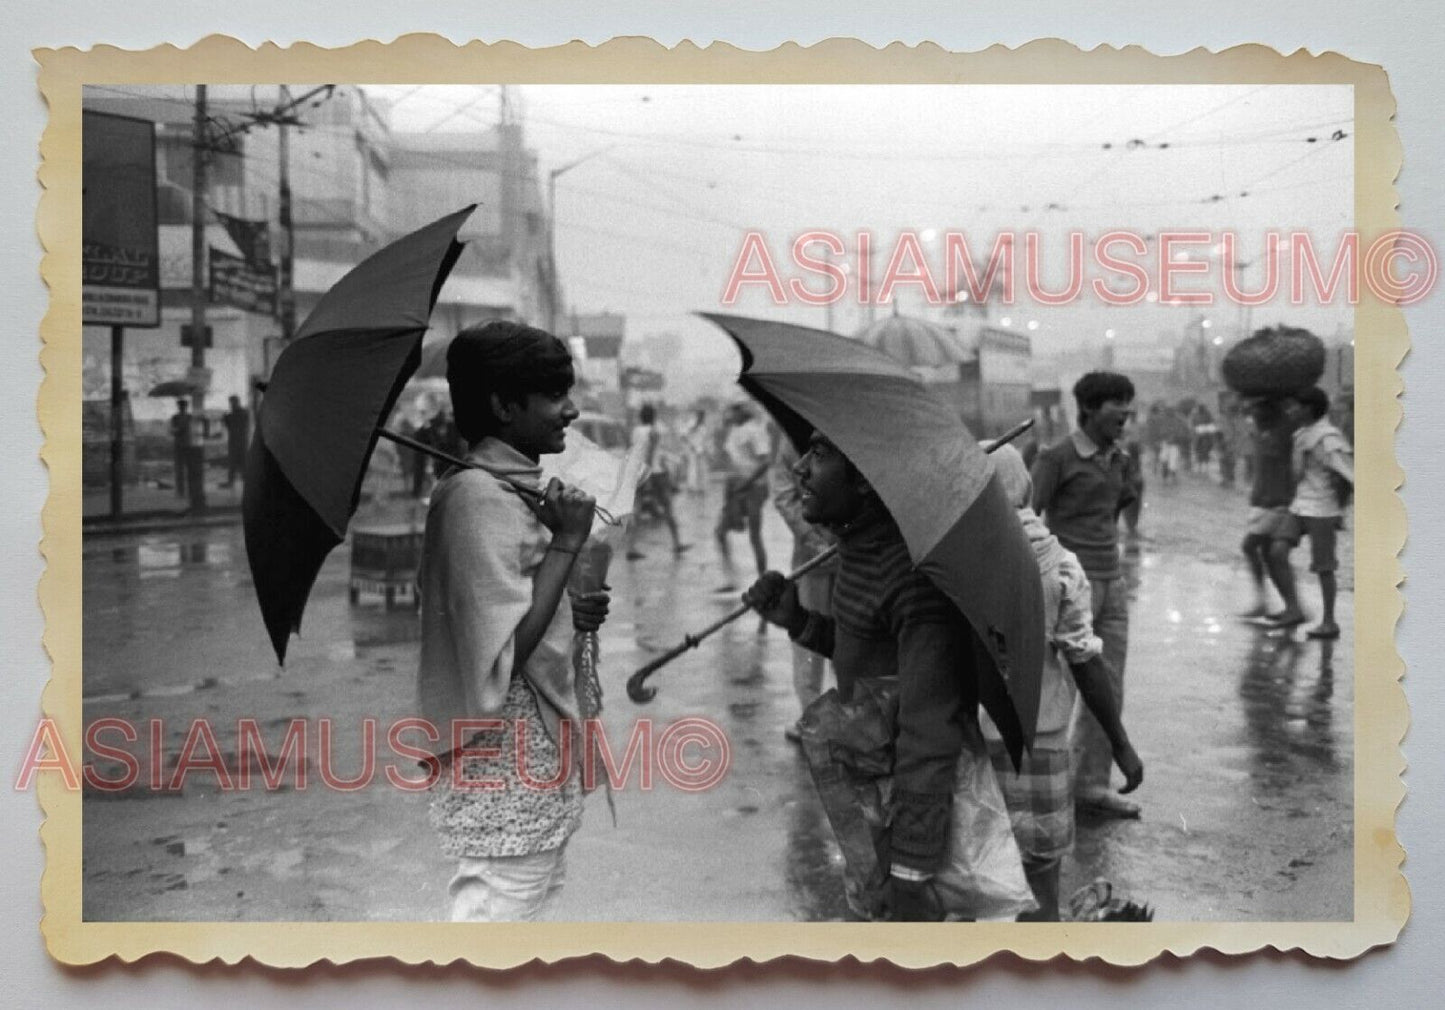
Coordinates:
[889,620]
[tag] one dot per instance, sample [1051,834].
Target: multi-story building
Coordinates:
[355,185]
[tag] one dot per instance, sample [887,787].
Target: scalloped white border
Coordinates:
[1381,896]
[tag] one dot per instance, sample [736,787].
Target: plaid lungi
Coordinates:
[1040,800]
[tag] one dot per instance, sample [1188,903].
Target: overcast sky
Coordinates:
[652,225]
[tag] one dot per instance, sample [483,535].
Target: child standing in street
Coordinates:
[1324,471]
[496,677]
[1040,795]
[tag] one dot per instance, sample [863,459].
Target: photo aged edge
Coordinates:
[1376,922]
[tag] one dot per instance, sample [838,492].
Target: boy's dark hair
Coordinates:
[1314,400]
[1095,388]
[647,414]
[510,360]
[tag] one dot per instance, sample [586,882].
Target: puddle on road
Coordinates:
[373,628]
[813,864]
[1287,695]
[167,558]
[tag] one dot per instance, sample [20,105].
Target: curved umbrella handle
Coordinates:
[637,688]
[446,457]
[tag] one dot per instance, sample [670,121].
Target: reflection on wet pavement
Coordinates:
[1247,737]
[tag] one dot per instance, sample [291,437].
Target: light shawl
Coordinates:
[482,549]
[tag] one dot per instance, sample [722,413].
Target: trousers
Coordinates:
[507,888]
[1110,600]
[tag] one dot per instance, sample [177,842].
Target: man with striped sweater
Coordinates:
[888,621]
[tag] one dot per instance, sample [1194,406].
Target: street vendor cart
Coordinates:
[384,561]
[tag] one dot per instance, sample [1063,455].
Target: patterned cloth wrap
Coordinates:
[1040,800]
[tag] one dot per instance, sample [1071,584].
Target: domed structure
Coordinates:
[916,343]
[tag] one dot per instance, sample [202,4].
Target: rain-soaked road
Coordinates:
[1247,737]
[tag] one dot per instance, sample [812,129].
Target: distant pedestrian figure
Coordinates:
[1231,435]
[1206,432]
[1081,485]
[1271,531]
[1039,798]
[1153,437]
[1134,454]
[1171,450]
[238,431]
[419,462]
[1323,466]
[441,433]
[694,441]
[815,589]
[657,486]
[182,422]
[747,453]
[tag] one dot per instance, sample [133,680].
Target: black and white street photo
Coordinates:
[720,503]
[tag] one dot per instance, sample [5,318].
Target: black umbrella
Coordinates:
[332,387]
[935,481]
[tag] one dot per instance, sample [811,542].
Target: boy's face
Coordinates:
[830,494]
[537,426]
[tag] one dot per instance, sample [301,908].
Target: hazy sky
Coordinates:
[651,226]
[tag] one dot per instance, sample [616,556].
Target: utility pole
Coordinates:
[117,428]
[286,282]
[200,154]
[554,296]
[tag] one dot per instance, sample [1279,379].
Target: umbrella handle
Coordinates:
[1010,435]
[526,490]
[637,688]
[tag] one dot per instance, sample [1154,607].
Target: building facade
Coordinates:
[355,185]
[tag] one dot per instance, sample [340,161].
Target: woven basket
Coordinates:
[1275,362]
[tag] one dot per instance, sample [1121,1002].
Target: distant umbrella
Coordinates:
[915,343]
[174,388]
[317,425]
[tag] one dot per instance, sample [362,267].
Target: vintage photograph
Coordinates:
[720,503]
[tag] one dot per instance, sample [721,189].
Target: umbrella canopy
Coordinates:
[174,387]
[935,481]
[916,343]
[316,427]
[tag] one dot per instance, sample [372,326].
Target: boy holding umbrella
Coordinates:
[496,675]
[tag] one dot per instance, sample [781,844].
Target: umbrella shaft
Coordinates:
[527,490]
[447,457]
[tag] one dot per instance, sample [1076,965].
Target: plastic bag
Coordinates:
[984,878]
[849,748]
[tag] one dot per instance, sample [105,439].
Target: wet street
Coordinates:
[1246,734]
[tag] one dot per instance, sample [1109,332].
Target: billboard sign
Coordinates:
[120,258]
[236,281]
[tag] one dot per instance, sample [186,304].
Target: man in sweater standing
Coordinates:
[1081,485]
[889,625]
